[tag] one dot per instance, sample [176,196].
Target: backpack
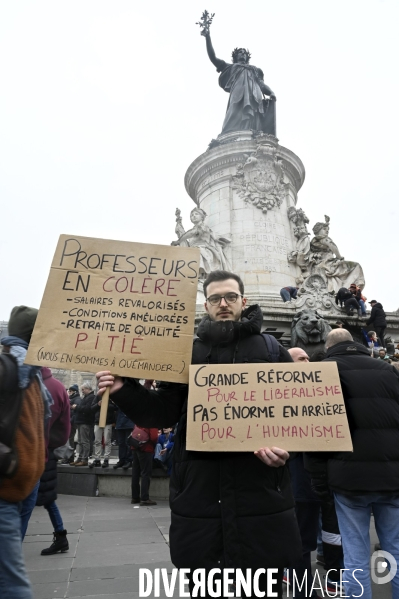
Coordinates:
[138,437]
[273,347]
[345,293]
[11,397]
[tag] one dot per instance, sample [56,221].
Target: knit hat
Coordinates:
[373,302]
[74,388]
[21,323]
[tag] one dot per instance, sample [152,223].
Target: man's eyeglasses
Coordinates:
[229,298]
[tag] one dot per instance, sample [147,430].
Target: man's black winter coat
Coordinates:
[74,399]
[83,412]
[96,409]
[377,316]
[228,509]
[371,393]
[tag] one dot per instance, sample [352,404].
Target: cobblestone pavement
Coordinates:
[109,541]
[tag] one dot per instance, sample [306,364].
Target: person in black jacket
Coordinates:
[377,319]
[229,510]
[357,294]
[84,419]
[308,506]
[366,480]
[123,428]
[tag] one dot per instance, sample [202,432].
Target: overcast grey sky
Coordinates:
[104,105]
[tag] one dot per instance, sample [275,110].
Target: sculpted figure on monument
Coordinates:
[248,108]
[301,254]
[201,236]
[323,269]
[326,259]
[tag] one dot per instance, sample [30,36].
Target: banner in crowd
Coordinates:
[114,305]
[243,407]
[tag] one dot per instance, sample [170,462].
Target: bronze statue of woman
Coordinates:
[247,108]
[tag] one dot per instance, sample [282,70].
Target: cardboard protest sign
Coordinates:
[114,305]
[243,407]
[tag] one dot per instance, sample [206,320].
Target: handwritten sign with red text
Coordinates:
[243,407]
[119,306]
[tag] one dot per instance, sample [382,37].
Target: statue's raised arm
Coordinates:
[205,23]
[219,64]
[247,108]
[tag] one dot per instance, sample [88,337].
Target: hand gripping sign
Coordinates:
[243,407]
[119,306]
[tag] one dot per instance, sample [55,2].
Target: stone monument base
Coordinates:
[278,316]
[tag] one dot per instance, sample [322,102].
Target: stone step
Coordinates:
[85,481]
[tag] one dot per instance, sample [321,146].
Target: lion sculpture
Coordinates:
[309,331]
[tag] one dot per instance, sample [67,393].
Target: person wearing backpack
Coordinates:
[24,406]
[347,299]
[230,509]
[142,442]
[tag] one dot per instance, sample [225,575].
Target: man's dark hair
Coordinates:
[222,275]
[318,356]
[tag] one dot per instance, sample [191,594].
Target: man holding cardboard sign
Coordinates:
[229,509]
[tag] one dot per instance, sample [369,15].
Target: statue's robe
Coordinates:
[247,108]
[338,272]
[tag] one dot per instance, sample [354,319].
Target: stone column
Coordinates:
[246,184]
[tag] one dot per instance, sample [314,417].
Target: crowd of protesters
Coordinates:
[153,450]
[282,502]
[87,433]
[354,303]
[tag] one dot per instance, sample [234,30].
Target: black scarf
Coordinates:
[230,331]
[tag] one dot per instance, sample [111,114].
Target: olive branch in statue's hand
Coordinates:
[205,22]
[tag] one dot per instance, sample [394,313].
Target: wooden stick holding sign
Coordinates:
[104,408]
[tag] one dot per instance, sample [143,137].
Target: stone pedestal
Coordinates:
[246,184]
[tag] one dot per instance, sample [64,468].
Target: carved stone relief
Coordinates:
[260,179]
[313,293]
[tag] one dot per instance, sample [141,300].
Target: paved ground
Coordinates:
[109,541]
